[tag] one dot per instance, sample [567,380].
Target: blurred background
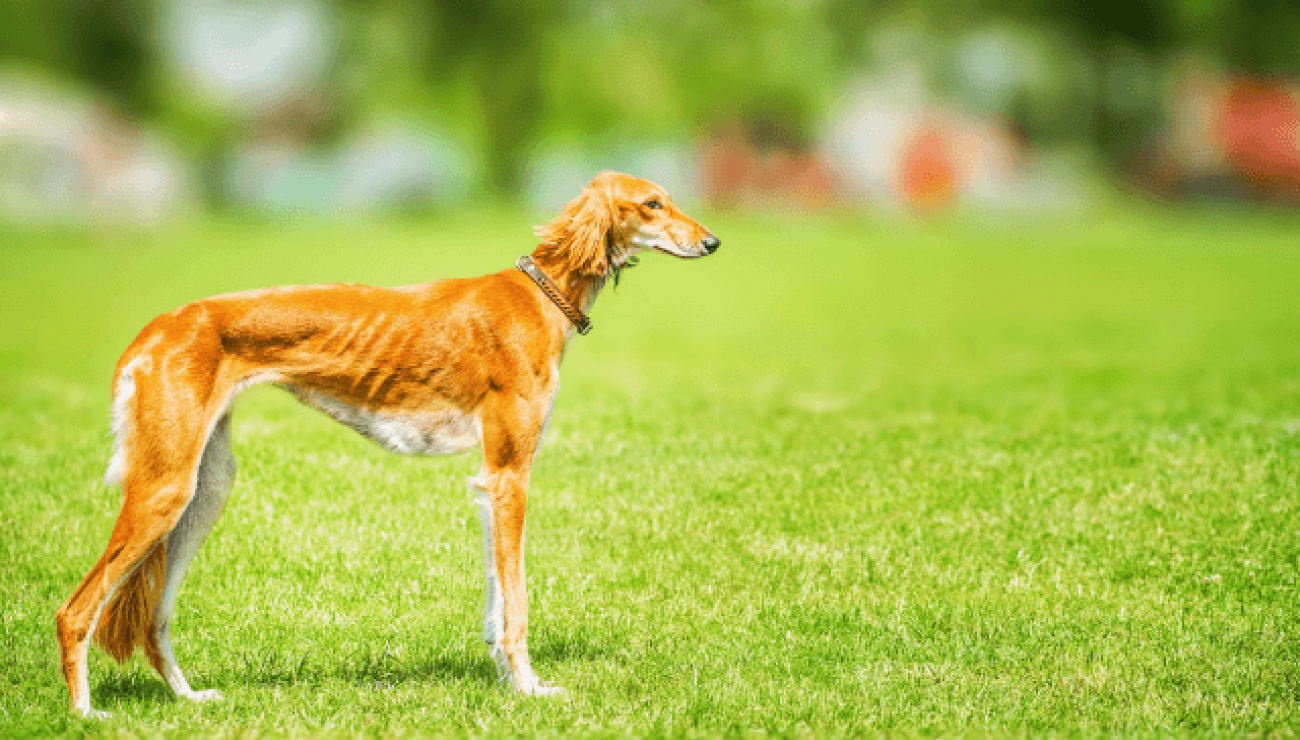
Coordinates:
[140,112]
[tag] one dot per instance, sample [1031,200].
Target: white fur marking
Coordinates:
[122,396]
[83,663]
[645,239]
[653,240]
[494,609]
[441,432]
[520,677]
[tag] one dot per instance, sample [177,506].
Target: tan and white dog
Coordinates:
[433,368]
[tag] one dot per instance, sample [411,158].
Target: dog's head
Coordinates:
[614,218]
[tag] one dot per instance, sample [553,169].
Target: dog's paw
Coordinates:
[546,688]
[95,714]
[532,686]
[202,696]
[523,681]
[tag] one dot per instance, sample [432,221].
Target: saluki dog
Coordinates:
[434,368]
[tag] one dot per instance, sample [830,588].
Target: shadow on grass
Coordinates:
[376,665]
[363,668]
[574,646]
[133,686]
[367,665]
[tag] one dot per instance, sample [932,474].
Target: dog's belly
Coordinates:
[440,431]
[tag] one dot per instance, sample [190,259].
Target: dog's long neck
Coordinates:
[580,289]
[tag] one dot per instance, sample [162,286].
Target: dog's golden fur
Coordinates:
[436,367]
[577,236]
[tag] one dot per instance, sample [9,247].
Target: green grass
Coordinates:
[843,477]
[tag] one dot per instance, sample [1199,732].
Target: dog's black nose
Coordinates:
[711,243]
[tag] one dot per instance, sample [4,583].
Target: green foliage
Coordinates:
[509,76]
[100,42]
[838,479]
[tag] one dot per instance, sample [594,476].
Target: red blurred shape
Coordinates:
[1261,135]
[738,173]
[928,173]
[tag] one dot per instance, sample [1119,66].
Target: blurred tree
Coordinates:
[35,32]
[102,42]
[497,45]
[1259,37]
[109,45]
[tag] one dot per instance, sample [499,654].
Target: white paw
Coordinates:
[525,681]
[542,688]
[202,696]
[89,713]
[530,685]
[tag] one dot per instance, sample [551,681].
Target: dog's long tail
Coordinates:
[128,617]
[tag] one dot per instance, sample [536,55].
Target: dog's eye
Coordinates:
[653,204]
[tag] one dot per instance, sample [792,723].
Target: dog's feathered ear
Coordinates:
[578,236]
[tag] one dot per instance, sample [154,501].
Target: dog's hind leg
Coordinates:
[215,476]
[145,520]
[173,382]
[79,616]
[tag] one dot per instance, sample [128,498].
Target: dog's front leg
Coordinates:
[501,497]
[511,432]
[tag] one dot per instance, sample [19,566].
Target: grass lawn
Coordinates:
[842,477]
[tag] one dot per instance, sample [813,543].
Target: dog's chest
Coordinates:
[437,431]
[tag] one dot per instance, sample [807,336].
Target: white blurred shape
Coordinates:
[558,170]
[990,70]
[870,139]
[67,157]
[398,162]
[869,128]
[247,57]
[673,167]
[557,173]
[390,163]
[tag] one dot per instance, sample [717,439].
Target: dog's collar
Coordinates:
[530,268]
